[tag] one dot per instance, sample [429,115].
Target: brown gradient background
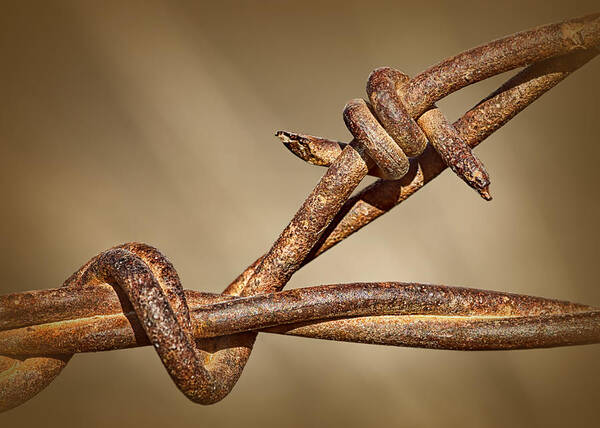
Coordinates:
[154,121]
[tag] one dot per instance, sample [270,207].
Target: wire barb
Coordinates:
[131,295]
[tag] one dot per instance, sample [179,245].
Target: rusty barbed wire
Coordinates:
[131,295]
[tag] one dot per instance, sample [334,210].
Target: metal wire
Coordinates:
[130,295]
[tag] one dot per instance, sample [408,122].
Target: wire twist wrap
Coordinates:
[385,90]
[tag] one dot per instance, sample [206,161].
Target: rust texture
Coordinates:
[386,87]
[130,295]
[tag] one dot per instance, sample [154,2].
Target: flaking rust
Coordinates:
[131,295]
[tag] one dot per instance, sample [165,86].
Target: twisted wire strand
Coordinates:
[131,296]
[214,315]
[474,126]
[402,115]
[136,297]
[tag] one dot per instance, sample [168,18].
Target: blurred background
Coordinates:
[153,121]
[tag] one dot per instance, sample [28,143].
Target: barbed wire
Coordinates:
[130,295]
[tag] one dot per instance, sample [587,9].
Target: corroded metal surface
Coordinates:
[474,126]
[131,295]
[383,87]
[311,309]
[386,88]
[369,133]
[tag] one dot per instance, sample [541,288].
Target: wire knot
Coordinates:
[390,135]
